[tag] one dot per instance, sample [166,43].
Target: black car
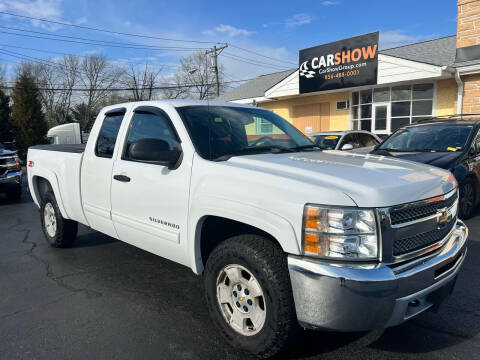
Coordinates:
[10,174]
[452,144]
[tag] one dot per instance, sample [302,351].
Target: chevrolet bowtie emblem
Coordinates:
[241,298]
[444,218]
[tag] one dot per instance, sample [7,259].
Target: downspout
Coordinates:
[459,92]
[459,81]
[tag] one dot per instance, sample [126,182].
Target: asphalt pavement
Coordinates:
[104,299]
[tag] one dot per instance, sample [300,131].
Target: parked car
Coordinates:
[10,174]
[345,140]
[449,144]
[286,236]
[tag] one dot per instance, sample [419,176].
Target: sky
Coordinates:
[276,29]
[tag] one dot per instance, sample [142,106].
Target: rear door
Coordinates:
[150,201]
[96,175]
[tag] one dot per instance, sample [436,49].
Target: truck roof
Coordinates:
[178,103]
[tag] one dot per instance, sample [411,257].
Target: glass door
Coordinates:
[381,118]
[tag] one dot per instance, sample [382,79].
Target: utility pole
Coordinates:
[214,54]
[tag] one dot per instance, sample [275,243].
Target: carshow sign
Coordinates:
[340,64]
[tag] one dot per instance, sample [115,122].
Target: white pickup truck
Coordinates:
[284,234]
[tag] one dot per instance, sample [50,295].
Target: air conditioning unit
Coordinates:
[343,105]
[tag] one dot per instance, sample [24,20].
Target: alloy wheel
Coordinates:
[50,220]
[241,300]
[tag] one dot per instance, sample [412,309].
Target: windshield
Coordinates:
[326,142]
[219,132]
[440,138]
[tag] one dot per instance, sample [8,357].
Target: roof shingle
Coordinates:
[256,87]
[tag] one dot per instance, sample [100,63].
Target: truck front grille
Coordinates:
[4,164]
[415,212]
[421,240]
[413,229]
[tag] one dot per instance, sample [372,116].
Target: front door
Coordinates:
[150,201]
[381,118]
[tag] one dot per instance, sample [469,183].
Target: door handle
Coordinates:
[122,178]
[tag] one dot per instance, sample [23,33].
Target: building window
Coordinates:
[264,126]
[405,104]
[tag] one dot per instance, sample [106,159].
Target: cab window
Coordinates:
[365,140]
[107,136]
[349,139]
[146,125]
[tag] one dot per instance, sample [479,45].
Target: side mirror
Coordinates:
[347,147]
[156,151]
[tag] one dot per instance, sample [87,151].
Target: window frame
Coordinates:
[121,110]
[412,118]
[346,102]
[153,110]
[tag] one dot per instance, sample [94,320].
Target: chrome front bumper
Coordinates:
[11,179]
[353,297]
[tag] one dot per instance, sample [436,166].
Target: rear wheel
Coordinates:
[59,232]
[249,295]
[467,199]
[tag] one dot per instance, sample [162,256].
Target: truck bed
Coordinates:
[61,166]
[70,148]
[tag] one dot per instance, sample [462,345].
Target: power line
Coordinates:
[254,63]
[169,86]
[83,56]
[88,41]
[145,36]
[105,30]
[262,55]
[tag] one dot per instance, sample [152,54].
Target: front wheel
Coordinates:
[59,232]
[467,199]
[249,295]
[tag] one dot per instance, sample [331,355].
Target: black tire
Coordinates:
[66,230]
[268,264]
[467,199]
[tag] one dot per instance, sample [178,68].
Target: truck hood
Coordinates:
[369,180]
[444,160]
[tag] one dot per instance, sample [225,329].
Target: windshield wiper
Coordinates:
[253,150]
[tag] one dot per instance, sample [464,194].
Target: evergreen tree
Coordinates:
[6,128]
[27,115]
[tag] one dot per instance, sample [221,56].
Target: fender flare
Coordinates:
[51,177]
[271,223]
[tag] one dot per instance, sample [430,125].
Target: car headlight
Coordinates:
[13,164]
[340,233]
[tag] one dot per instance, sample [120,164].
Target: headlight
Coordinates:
[13,163]
[341,233]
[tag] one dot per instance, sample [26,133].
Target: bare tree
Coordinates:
[46,76]
[195,79]
[69,73]
[141,81]
[98,77]
[174,87]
